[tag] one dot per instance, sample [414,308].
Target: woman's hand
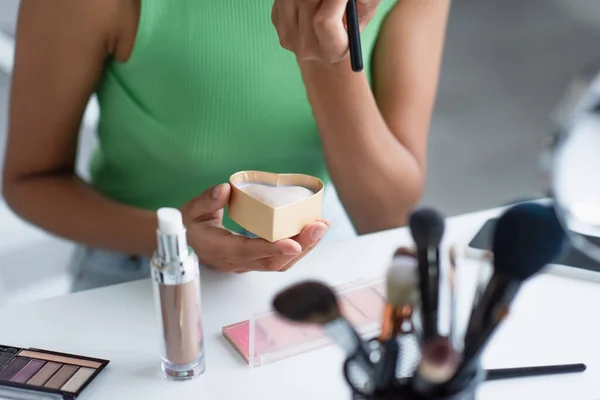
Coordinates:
[227,251]
[315,29]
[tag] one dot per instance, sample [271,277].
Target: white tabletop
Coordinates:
[553,322]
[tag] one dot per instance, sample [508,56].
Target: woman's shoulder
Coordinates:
[109,21]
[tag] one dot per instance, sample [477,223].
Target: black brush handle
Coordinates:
[385,370]
[525,372]
[429,288]
[356,59]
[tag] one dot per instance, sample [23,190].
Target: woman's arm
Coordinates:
[61,49]
[375,141]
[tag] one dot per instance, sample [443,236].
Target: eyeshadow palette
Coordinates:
[266,337]
[60,376]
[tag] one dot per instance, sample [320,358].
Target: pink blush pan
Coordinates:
[367,302]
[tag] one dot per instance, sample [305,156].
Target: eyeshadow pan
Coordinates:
[63,375]
[44,374]
[60,359]
[4,358]
[28,371]
[9,350]
[77,381]
[12,368]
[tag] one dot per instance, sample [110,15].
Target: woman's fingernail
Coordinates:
[319,232]
[216,192]
[289,251]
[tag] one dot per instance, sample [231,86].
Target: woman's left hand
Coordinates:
[316,29]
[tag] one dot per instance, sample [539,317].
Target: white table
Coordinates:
[553,321]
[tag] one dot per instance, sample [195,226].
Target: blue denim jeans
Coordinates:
[92,268]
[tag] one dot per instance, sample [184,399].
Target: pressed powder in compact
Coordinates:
[275,196]
[275,206]
[56,375]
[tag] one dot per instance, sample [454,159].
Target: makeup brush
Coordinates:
[527,372]
[527,237]
[313,302]
[427,228]
[439,362]
[483,275]
[453,310]
[402,291]
[354,43]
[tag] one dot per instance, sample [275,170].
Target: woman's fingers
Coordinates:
[315,29]
[312,234]
[366,11]
[308,239]
[285,16]
[308,44]
[207,206]
[250,249]
[311,237]
[227,251]
[329,28]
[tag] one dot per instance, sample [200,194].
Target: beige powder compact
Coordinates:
[275,206]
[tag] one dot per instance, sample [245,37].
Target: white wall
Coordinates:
[8,15]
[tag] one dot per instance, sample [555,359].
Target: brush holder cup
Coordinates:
[401,388]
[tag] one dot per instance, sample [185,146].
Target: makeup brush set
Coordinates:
[411,359]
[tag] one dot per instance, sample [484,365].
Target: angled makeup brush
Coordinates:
[313,302]
[427,228]
[527,237]
[354,42]
[438,365]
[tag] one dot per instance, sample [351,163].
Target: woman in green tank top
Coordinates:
[193,91]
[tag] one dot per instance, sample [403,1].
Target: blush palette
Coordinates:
[266,338]
[58,375]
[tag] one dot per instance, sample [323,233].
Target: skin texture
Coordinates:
[63,45]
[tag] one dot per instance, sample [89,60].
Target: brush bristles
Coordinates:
[426,227]
[402,283]
[439,361]
[307,302]
[527,237]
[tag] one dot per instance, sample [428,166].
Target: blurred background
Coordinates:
[506,64]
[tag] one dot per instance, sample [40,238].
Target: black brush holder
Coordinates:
[401,387]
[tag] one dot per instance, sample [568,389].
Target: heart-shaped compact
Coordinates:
[275,206]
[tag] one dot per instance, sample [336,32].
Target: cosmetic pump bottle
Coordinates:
[176,279]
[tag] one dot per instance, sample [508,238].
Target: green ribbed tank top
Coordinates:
[206,92]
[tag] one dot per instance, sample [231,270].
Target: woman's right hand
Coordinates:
[219,248]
